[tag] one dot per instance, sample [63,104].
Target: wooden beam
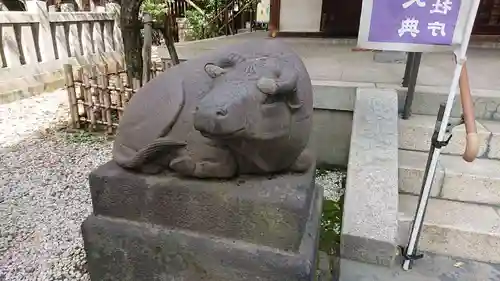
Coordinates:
[274,21]
[195,6]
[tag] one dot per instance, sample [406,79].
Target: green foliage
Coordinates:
[156,8]
[331,220]
[331,223]
[206,25]
[200,25]
[83,137]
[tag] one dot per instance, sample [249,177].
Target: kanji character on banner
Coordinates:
[409,25]
[435,27]
[442,7]
[420,3]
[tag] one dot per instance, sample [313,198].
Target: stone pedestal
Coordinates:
[170,228]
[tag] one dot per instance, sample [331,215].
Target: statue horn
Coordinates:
[285,83]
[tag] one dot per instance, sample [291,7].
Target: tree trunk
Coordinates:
[169,38]
[132,39]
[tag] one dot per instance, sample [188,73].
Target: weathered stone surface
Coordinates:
[242,109]
[268,211]
[389,57]
[411,173]
[457,180]
[494,145]
[430,268]
[476,182]
[331,136]
[428,98]
[369,227]
[416,132]
[335,95]
[457,229]
[123,250]
[324,271]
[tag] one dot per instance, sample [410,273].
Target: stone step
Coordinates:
[494,143]
[454,229]
[431,268]
[416,132]
[457,180]
[427,99]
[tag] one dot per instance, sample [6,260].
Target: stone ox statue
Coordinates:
[245,109]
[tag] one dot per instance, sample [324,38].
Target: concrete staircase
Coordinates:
[386,163]
[463,215]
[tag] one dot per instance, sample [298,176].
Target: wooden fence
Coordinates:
[97,97]
[177,8]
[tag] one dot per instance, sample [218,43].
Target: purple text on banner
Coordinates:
[429,22]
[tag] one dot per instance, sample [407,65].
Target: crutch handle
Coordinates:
[471,147]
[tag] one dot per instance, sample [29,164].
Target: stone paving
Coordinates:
[334,60]
[431,268]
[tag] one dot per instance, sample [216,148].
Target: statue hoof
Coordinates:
[151,169]
[184,166]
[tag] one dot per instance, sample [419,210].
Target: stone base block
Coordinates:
[167,228]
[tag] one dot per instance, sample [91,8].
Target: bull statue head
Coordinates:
[250,98]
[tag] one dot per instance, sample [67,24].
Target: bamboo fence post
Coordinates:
[78,85]
[153,70]
[164,64]
[106,97]
[98,92]
[70,88]
[90,101]
[83,95]
[156,69]
[120,92]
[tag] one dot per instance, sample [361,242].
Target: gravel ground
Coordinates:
[20,119]
[43,191]
[332,183]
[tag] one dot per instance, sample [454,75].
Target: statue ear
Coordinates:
[213,70]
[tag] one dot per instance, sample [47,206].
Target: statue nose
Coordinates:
[221,112]
[218,112]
